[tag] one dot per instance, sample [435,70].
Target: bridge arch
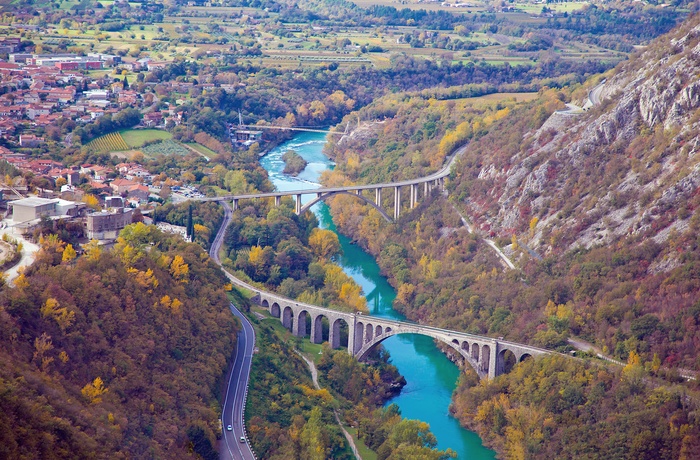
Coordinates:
[475,352]
[300,324]
[485,359]
[335,332]
[506,361]
[325,196]
[287,317]
[369,344]
[317,328]
[274,310]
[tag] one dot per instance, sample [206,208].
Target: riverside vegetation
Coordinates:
[293,163]
[288,418]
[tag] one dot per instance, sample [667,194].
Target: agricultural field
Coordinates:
[111,142]
[135,138]
[473,6]
[166,147]
[490,99]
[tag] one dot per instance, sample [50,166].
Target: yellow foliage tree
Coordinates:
[179,269]
[94,390]
[324,243]
[43,345]
[144,279]
[91,201]
[21,281]
[69,253]
[533,224]
[92,250]
[62,316]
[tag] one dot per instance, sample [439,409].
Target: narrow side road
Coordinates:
[314,377]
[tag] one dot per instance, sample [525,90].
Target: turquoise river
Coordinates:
[430,376]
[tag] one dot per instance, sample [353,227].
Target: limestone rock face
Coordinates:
[624,167]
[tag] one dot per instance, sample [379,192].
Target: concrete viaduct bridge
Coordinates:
[489,357]
[427,184]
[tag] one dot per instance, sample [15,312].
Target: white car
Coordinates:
[242,439]
[229,428]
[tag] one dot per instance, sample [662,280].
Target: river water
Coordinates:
[431,377]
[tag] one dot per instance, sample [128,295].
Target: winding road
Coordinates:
[233,410]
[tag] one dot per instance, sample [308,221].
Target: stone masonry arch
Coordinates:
[369,343]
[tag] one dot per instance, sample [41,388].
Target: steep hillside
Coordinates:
[115,354]
[628,167]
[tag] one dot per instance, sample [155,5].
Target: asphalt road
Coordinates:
[236,393]
[231,446]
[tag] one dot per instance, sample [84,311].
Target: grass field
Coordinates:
[364,451]
[202,149]
[137,137]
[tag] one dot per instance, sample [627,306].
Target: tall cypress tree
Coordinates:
[190,224]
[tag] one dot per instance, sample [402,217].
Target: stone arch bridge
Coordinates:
[488,356]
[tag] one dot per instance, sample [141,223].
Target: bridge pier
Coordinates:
[397,202]
[298,204]
[378,196]
[493,359]
[425,190]
[278,200]
[414,195]
[353,347]
[234,205]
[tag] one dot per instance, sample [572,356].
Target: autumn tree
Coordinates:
[68,253]
[63,317]
[179,269]
[94,390]
[324,243]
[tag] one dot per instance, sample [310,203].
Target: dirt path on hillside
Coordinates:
[314,377]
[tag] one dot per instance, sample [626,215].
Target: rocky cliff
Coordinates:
[627,166]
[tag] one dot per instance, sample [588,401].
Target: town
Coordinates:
[43,91]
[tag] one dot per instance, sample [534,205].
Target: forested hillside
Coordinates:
[116,353]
